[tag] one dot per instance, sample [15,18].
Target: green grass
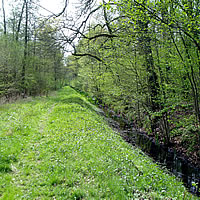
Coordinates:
[59,148]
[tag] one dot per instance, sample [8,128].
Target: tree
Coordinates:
[4,18]
[32,61]
[149,58]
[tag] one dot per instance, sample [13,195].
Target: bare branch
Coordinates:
[88,16]
[106,19]
[102,35]
[88,54]
[65,7]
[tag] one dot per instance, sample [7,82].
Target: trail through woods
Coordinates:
[58,147]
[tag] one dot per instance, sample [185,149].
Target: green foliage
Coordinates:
[149,69]
[41,70]
[59,148]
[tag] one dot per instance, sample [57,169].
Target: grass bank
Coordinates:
[59,148]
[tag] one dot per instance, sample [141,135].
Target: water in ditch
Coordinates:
[175,163]
[166,157]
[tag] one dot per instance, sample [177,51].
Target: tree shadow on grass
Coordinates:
[75,100]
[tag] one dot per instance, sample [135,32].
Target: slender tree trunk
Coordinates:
[145,45]
[193,83]
[164,120]
[4,17]
[25,50]
[153,85]
[191,80]
[55,72]
[20,20]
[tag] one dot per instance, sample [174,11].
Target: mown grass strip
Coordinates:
[59,148]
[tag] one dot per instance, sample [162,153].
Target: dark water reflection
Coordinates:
[166,157]
[179,166]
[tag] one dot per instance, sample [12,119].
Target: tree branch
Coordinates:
[102,35]
[152,12]
[59,14]
[88,54]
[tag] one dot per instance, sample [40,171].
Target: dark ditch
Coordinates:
[164,156]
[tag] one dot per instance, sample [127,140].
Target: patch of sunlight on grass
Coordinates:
[59,148]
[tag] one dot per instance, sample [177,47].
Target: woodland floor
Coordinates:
[58,147]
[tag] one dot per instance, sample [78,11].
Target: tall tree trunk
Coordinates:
[193,83]
[20,20]
[153,85]
[25,50]
[191,79]
[4,17]
[55,72]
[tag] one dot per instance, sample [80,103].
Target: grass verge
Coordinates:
[59,148]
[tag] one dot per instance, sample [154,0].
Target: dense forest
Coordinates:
[139,59]
[31,61]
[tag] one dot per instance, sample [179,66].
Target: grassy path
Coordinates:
[59,148]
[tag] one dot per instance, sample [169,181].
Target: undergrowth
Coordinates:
[60,148]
